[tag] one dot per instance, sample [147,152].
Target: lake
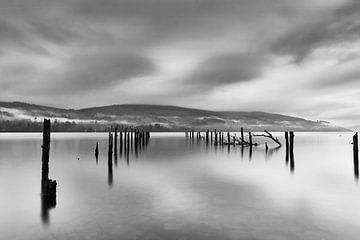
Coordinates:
[175,188]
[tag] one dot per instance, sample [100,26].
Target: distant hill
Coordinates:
[17,116]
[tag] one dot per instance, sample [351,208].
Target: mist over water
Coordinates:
[177,188]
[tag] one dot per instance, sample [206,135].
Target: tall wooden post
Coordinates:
[110,169]
[121,142]
[287,147]
[216,137]
[97,152]
[115,142]
[110,147]
[356,155]
[242,134]
[48,186]
[45,152]
[291,143]
[250,139]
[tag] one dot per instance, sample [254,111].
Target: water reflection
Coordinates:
[177,184]
[47,203]
[356,169]
[110,172]
[269,152]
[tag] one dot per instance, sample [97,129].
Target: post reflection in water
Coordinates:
[47,203]
[270,151]
[110,172]
[356,169]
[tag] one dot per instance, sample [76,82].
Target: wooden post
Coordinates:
[292,162]
[250,139]
[97,152]
[121,143]
[356,155]
[287,147]
[45,151]
[216,137]
[110,170]
[242,134]
[115,142]
[48,186]
[110,147]
[228,138]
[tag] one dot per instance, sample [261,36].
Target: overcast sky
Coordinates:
[292,57]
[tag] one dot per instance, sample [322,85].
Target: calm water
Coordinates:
[177,189]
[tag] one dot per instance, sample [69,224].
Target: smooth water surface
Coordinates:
[176,188]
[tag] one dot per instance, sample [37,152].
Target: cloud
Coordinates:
[98,70]
[227,68]
[325,29]
[340,77]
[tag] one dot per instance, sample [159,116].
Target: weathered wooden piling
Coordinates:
[291,143]
[228,138]
[356,155]
[110,147]
[110,169]
[97,152]
[216,137]
[242,134]
[45,151]
[115,142]
[121,142]
[287,147]
[48,186]
[250,140]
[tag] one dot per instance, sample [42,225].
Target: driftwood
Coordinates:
[268,135]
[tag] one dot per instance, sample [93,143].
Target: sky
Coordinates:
[300,58]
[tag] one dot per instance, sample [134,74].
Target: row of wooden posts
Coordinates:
[225,138]
[128,138]
[133,138]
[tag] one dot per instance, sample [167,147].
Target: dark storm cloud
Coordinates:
[330,28]
[227,68]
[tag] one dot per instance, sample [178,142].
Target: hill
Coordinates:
[155,117]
